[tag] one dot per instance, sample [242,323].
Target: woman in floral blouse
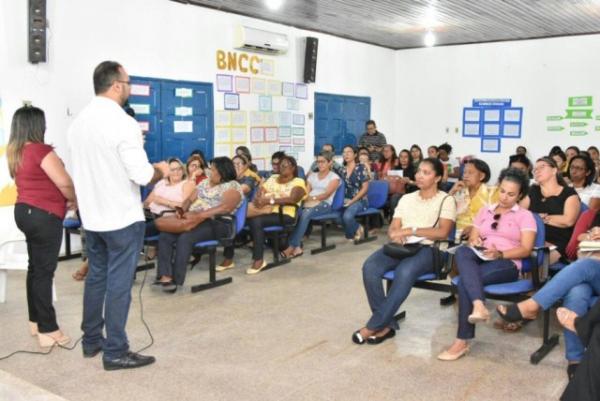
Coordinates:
[355,195]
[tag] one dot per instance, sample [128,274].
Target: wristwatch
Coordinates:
[272,201]
[414,231]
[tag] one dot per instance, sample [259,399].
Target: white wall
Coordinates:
[163,39]
[433,85]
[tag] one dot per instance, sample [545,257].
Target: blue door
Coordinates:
[177,117]
[340,119]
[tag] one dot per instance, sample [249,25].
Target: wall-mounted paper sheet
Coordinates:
[144,126]
[298,141]
[298,131]
[223,118]
[258,86]
[257,134]
[222,135]
[491,145]
[271,134]
[184,92]
[298,119]
[284,118]
[274,88]
[239,118]
[512,130]
[293,104]
[491,129]
[224,83]
[265,103]
[471,130]
[301,91]
[270,119]
[232,101]
[223,149]
[238,135]
[140,108]
[242,84]
[288,89]
[256,118]
[267,67]
[183,126]
[184,111]
[140,90]
[472,115]
[491,115]
[512,115]
[285,132]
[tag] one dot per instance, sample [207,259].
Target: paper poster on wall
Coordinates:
[258,86]
[224,83]
[490,145]
[267,67]
[231,101]
[298,141]
[183,126]
[242,84]
[239,118]
[144,126]
[265,103]
[285,132]
[270,119]
[288,89]
[301,91]
[257,134]
[260,163]
[238,135]
[274,88]
[293,104]
[284,118]
[512,130]
[285,148]
[184,111]
[140,90]
[223,118]
[256,118]
[140,108]
[223,149]
[298,131]
[298,119]
[271,134]
[285,140]
[184,92]
[579,113]
[222,135]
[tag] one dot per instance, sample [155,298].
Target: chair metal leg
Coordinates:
[212,274]
[324,247]
[367,238]
[277,261]
[68,255]
[548,343]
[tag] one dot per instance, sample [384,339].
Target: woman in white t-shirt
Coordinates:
[582,174]
[415,216]
[321,187]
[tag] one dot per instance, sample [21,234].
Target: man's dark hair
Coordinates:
[330,145]
[278,155]
[515,175]
[369,122]
[105,74]
[225,167]
[482,167]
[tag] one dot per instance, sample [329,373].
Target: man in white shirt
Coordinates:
[109,165]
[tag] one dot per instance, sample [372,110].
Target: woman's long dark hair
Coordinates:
[28,125]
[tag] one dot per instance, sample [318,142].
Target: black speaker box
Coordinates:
[37,31]
[310,60]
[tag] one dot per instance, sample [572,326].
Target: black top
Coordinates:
[552,205]
[409,172]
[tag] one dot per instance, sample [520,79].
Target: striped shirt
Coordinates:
[377,139]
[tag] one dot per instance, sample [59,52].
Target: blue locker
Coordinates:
[340,119]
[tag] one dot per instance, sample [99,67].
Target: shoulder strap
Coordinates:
[440,211]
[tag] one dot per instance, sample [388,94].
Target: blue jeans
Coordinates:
[406,273]
[348,220]
[579,299]
[304,220]
[113,257]
[474,275]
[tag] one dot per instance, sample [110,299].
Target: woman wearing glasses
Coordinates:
[502,234]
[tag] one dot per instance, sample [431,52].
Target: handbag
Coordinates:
[178,223]
[402,251]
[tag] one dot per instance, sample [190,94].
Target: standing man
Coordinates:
[109,165]
[373,140]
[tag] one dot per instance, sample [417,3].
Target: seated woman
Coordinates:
[245,152]
[168,194]
[387,162]
[417,155]
[576,285]
[321,187]
[471,195]
[407,179]
[556,203]
[196,169]
[521,162]
[560,158]
[247,178]
[356,178]
[219,194]
[506,232]
[582,174]
[428,213]
[365,159]
[282,189]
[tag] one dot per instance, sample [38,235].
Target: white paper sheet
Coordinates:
[184,92]
[183,126]
[256,118]
[301,91]
[257,134]
[140,90]
[293,104]
[144,126]
[238,135]
[274,88]
[232,101]
[242,84]
[224,83]
[298,119]
[258,85]
[287,89]
[140,108]
[284,118]
[239,118]
[265,103]
[223,118]
[222,135]
[184,111]
[271,134]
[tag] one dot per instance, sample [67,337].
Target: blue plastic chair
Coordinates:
[537,266]
[325,219]
[301,173]
[238,220]
[71,226]
[377,195]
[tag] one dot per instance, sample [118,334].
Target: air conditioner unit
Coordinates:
[253,39]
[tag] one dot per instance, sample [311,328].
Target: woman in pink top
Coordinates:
[45,190]
[502,234]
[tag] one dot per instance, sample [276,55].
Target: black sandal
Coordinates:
[357,338]
[378,340]
[512,315]
[571,369]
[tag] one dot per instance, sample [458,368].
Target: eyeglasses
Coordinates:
[496,221]
[176,169]
[575,167]
[285,165]
[123,82]
[321,161]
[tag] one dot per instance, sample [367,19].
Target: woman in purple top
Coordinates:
[45,190]
[502,234]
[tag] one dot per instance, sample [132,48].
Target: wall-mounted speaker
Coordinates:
[310,60]
[37,31]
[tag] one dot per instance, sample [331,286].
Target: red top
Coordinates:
[584,223]
[200,178]
[34,187]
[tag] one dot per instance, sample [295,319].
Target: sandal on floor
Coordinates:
[512,315]
[571,369]
[357,338]
[297,255]
[380,339]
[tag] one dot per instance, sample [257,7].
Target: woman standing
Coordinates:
[45,190]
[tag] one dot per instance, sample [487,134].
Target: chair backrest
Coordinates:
[240,216]
[377,193]
[540,241]
[301,173]
[338,197]
[584,208]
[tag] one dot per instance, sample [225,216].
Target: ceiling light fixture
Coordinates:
[429,39]
[273,5]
